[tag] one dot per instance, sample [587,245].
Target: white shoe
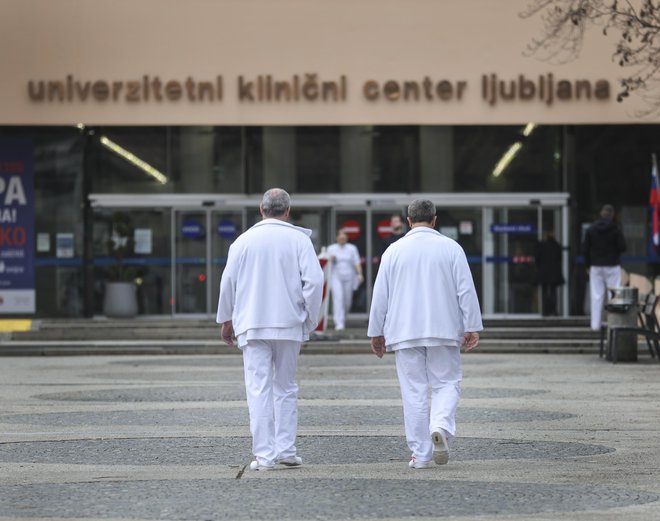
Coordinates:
[414,463]
[290,461]
[256,465]
[440,447]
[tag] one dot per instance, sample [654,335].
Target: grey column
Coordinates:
[436,151]
[196,158]
[279,158]
[356,159]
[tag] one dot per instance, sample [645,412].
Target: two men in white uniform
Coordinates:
[424,308]
[270,298]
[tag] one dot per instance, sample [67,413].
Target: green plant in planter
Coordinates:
[120,245]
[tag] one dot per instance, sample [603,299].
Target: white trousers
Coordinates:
[342,297]
[601,278]
[272,395]
[418,368]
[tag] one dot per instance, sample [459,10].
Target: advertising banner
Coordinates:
[17,294]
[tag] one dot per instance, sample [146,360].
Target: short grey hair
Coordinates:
[421,211]
[275,202]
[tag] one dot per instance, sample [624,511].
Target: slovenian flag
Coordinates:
[654,208]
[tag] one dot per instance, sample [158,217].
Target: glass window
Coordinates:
[395,159]
[507,158]
[317,159]
[613,166]
[207,159]
[148,264]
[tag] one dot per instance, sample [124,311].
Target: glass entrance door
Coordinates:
[464,225]
[511,236]
[201,245]
[226,225]
[357,226]
[182,243]
[191,261]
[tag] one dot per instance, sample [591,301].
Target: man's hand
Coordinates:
[470,341]
[378,346]
[227,333]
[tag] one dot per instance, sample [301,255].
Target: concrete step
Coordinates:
[212,333]
[554,330]
[146,347]
[201,336]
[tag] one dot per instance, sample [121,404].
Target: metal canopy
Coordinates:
[442,200]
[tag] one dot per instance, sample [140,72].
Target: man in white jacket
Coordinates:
[270,299]
[424,308]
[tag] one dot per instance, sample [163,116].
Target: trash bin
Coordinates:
[622,311]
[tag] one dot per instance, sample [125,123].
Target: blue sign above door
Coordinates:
[192,229]
[512,228]
[227,229]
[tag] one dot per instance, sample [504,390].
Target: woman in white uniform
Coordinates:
[345,278]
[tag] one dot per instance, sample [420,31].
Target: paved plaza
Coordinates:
[541,437]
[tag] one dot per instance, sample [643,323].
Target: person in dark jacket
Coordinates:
[549,274]
[602,248]
[398,231]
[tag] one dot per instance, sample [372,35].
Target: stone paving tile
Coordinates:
[322,361]
[308,415]
[542,437]
[316,450]
[324,499]
[230,392]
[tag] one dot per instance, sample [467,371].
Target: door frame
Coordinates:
[368,202]
[211,271]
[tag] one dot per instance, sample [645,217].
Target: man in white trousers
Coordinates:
[424,308]
[270,299]
[602,247]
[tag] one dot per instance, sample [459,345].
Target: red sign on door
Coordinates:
[384,228]
[352,229]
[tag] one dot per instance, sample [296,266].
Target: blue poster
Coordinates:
[17,293]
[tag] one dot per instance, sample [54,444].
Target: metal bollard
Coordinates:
[622,311]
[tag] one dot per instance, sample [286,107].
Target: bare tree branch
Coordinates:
[634,24]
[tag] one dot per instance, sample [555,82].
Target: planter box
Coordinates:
[120,300]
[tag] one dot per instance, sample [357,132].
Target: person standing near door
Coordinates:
[424,308]
[398,231]
[602,248]
[345,277]
[270,299]
[548,272]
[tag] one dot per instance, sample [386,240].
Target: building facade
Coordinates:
[177,116]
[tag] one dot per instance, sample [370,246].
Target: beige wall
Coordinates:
[80,42]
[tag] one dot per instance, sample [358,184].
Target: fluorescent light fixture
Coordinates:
[134,160]
[506,158]
[513,150]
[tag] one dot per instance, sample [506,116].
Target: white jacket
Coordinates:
[344,267]
[424,290]
[272,279]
